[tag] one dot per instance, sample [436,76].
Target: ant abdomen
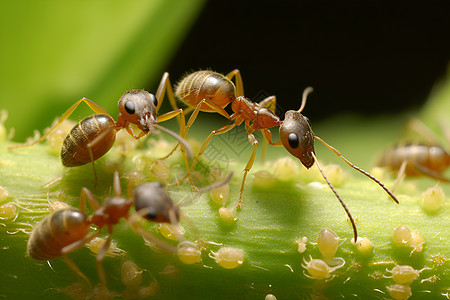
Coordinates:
[206,85]
[75,150]
[56,231]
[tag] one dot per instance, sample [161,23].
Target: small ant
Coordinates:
[210,91]
[67,230]
[94,136]
[416,159]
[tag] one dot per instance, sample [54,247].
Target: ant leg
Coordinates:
[75,268]
[203,147]
[166,87]
[269,102]
[423,130]
[85,193]
[238,78]
[358,168]
[247,168]
[100,256]
[96,108]
[400,175]
[428,172]
[136,226]
[267,139]
[116,185]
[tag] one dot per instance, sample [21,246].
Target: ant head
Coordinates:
[139,107]
[152,199]
[297,137]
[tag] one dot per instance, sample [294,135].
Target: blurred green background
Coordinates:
[369,58]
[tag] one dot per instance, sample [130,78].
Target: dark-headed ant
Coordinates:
[94,136]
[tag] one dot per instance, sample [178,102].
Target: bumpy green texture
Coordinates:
[279,208]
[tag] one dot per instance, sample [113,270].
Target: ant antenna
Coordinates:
[358,168]
[305,94]
[337,195]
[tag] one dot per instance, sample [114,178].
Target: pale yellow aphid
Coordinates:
[227,215]
[364,246]
[263,180]
[301,243]
[270,297]
[161,169]
[335,174]
[433,199]
[124,143]
[151,290]
[328,243]
[417,242]
[404,274]
[3,194]
[399,291]
[285,169]
[319,269]
[96,244]
[57,205]
[401,237]
[220,195]
[169,231]
[189,253]
[131,274]
[8,211]
[56,138]
[228,257]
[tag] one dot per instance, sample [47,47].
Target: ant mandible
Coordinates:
[94,136]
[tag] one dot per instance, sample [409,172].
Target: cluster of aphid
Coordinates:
[207,91]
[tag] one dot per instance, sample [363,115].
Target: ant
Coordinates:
[210,91]
[415,159]
[94,135]
[67,230]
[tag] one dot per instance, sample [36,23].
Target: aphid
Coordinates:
[66,230]
[211,92]
[227,215]
[8,211]
[364,246]
[270,297]
[403,274]
[228,257]
[328,243]
[433,199]
[3,194]
[189,253]
[94,136]
[401,236]
[318,269]
[399,291]
[297,137]
[417,159]
[131,274]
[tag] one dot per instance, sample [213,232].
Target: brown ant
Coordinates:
[416,159]
[94,136]
[210,91]
[67,230]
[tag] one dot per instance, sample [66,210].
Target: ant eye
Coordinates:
[293,140]
[129,107]
[155,101]
[307,120]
